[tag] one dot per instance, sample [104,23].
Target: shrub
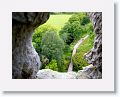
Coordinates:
[85,20]
[88,28]
[79,62]
[66,64]
[81,17]
[52,47]
[52,65]
[70,31]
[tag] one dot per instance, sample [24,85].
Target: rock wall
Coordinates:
[25,60]
[94,57]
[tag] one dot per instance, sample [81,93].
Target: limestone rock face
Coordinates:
[50,74]
[25,60]
[89,72]
[95,55]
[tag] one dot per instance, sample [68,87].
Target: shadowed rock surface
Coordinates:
[25,60]
[94,57]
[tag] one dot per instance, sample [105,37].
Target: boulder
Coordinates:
[89,72]
[50,74]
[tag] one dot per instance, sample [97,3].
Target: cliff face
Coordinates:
[94,57]
[25,60]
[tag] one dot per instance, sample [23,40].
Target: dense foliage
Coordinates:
[54,40]
[73,29]
[52,47]
[37,36]
[77,27]
[52,65]
[78,59]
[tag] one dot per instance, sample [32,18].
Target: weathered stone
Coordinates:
[50,74]
[89,72]
[95,55]
[25,60]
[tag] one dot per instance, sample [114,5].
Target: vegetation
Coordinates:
[54,40]
[52,65]
[58,21]
[37,36]
[78,59]
[74,28]
[52,47]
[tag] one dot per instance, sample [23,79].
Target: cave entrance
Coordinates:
[56,43]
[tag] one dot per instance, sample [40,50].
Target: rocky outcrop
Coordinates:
[25,60]
[50,74]
[94,57]
[88,72]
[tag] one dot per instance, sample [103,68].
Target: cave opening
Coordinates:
[54,44]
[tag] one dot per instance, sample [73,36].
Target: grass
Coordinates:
[87,44]
[76,40]
[58,21]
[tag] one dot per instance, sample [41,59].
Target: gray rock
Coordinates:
[25,60]
[50,74]
[89,72]
[95,55]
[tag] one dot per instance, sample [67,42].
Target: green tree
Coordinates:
[74,28]
[52,47]
[37,36]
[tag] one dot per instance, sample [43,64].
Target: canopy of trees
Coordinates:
[55,46]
